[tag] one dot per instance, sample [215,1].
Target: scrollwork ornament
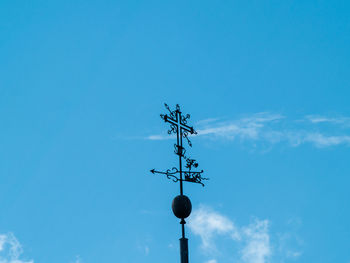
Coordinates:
[173,129]
[185,135]
[171,113]
[185,118]
[170,173]
[191,163]
[180,151]
[195,177]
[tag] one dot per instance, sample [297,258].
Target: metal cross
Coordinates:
[178,125]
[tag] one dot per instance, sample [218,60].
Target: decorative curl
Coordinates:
[170,173]
[185,118]
[173,129]
[181,151]
[194,177]
[185,135]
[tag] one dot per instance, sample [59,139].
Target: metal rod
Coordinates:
[184,250]
[179,134]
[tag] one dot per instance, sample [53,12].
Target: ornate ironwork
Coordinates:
[179,126]
[194,177]
[168,173]
[191,177]
[190,163]
[179,150]
[178,123]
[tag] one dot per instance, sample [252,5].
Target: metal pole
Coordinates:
[181,204]
[183,240]
[184,250]
[179,143]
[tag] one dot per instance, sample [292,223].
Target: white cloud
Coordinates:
[158,137]
[207,121]
[257,248]
[249,244]
[273,128]
[289,244]
[11,249]
[244,128]
[321,140]
[325,119]
[207,224]
[2,242]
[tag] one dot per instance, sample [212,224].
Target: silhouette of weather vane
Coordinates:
[178,126]
[181,205]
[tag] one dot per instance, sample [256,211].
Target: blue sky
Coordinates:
[82,84]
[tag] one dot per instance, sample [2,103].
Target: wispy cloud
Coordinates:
[207,223]
[143,247]
[146,250]
[257,238]
[252,241]
[77,259]
[328,119]
[289,245]
[158,137]
[272,128]
[245,128]
[11,250]
[321,140]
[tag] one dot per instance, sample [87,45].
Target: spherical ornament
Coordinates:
[182,206]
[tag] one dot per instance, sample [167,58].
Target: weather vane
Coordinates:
[181,205]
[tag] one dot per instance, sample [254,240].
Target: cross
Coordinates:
[180,120]
[178,125]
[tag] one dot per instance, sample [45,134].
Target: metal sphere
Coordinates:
[181,206]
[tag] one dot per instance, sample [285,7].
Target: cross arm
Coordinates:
[185,127]
[188,128]
[166,118]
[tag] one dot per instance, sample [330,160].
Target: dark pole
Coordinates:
[183,239]
[179,147]
[184,250]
